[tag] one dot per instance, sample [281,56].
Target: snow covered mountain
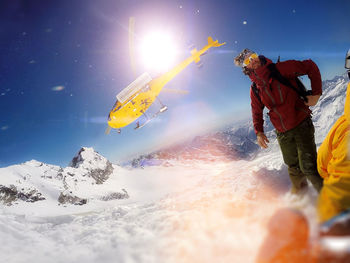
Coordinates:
[330,106]
[35,181]
[211,204]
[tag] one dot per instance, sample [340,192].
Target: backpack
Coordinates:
[275,74]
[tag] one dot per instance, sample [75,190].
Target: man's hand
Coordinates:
[312,100]
[262,140]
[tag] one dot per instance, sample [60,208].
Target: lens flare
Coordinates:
[58,88]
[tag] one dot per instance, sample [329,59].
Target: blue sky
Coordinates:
[63,62]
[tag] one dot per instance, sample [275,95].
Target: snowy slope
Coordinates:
[218,208]
[177,210]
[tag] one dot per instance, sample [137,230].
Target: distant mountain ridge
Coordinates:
[222,145]
[239,142]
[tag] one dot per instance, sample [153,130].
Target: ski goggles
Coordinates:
[249,59]
[347,60]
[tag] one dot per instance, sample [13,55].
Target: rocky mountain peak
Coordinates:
[87,156]
[87,162]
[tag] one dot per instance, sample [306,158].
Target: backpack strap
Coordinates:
[300,90]
[256,91]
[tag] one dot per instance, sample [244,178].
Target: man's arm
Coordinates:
[324,156]
[257,111]
[295,68]
[258,120]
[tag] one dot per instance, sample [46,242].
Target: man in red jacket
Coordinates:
[275,87]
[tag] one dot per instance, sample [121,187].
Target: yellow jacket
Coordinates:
[333,163]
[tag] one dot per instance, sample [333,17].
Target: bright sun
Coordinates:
[158,51]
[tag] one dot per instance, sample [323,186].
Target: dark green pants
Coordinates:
[299,154]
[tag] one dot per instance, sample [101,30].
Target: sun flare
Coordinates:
[158,51]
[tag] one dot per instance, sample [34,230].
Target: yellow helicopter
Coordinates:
[134,100]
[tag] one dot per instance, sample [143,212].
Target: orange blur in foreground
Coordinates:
[223,219]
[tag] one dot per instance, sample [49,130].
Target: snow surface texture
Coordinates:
[211,207]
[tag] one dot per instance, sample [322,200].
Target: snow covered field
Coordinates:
[188,211]
[195,212]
